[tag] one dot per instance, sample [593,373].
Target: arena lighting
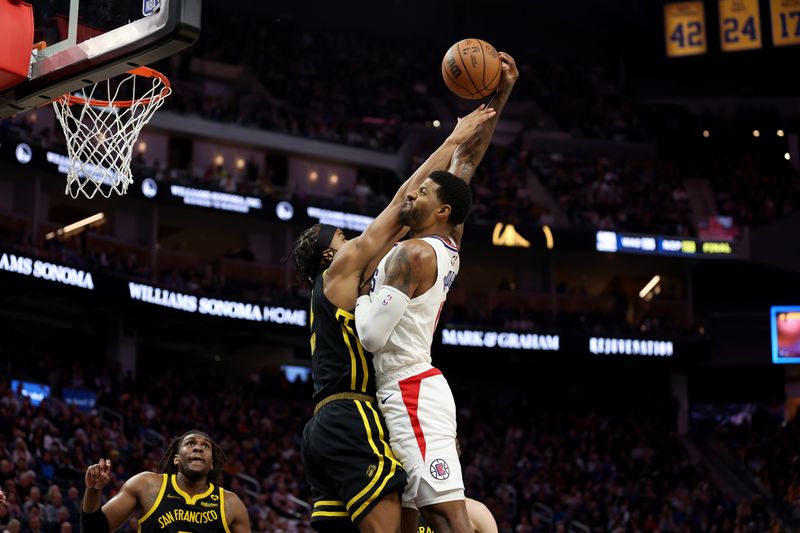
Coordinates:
[786,156]
[508,236]
[706,134]
[649,287]
[334,179]
[75,226]
[436,123]
[142,147]
[780,133]
[548,235]
[756,133]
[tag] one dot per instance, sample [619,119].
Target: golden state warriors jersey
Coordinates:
[339,362]
[175,511]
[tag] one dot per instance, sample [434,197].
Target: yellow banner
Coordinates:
[739,25]
[785,22]
[685,29]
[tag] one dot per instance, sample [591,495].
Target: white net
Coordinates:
[101,125]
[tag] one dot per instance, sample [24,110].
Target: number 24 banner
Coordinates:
[739,25]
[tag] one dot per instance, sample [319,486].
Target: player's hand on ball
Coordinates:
[98,476]
[509,72]
[467,126]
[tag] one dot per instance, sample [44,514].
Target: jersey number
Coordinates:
[372,281]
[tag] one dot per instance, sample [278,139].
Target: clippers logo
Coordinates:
[150,6]
[387,299]
[439,469]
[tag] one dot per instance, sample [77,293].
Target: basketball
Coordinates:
[471,69]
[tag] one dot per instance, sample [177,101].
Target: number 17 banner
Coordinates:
[785,22]
[685,29]
[739,25]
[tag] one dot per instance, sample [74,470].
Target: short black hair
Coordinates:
[455,192]
[307,258]
[168,466]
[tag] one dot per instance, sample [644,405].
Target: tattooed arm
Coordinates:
[410,271]
[468,155]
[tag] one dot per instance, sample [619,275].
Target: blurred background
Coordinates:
[620,338]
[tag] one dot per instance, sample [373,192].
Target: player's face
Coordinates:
[338,240]
[195,457]
[421,205]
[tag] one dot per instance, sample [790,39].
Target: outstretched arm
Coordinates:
[119,508]
[468,156]
[354,256]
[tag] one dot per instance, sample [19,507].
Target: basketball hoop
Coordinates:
[101,126]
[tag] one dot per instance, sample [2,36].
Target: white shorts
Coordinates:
[420,414]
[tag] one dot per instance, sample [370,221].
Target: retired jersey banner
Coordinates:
[785,22]
[739,25]
[685,29]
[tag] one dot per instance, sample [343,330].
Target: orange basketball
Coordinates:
[471,69]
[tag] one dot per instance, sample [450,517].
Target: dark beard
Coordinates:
[193,476]
[407,217]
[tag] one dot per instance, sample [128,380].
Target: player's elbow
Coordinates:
[370,339]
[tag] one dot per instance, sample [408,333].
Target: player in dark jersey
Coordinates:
[354,476]
[184,497]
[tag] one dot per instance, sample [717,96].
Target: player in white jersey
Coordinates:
[396,317]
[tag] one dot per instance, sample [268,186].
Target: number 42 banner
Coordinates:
[685,29]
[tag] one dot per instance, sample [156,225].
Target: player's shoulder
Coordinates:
[418,252]
[145,482]
[232,500]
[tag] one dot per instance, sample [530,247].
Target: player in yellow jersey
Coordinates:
[182,498]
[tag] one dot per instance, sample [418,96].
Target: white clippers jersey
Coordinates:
[410,342]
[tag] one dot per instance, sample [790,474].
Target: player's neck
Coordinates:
[192,487]
[434,230]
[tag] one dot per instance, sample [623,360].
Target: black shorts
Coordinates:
[348,462]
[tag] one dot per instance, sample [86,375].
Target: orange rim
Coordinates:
[144,72]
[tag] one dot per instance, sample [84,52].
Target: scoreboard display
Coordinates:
[739,25]
[785,16]
[685,29]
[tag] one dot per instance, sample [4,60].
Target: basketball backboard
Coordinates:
[92,40]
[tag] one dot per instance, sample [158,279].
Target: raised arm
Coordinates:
[119,508]
[356,255]
[468,155]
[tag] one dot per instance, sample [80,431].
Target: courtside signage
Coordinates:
[614,241]
[500,339]
[340,219]
[37,268]
[214,307]
[221,201]
[636,347]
